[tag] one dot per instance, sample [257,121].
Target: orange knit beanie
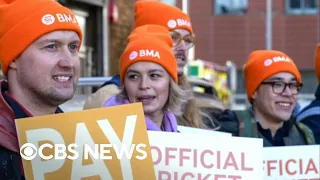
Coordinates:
[151,43]
[317,62]
[264,63]
[24,21]
[3,2]
[156,12]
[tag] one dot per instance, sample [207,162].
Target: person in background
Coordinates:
[106,90]
[310,115]
[40,58]
[272,84]
[148,73]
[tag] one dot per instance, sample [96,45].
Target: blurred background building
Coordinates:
[226,30]
[231,29]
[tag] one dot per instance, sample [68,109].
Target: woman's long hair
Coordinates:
[191,113]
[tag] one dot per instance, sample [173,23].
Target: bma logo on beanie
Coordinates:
[49,19]
[133,55]
[178,22]
[268,62]
[172,23]
[144,53]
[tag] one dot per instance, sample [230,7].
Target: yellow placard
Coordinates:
[95,135]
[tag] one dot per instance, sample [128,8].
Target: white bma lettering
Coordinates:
[66,18]
[142,53]
[280,58]
[60,17]
[149,52]
[183,22]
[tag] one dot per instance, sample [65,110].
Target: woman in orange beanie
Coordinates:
[148,72]
[179,25]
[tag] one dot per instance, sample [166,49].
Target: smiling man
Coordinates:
[273,83]
[39,45]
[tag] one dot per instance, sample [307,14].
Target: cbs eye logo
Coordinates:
[28,151]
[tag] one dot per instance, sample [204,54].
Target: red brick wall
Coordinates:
[222,38]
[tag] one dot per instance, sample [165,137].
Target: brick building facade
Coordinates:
[231,29]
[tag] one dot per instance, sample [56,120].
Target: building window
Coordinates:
[170,2]
[302,6]
[81,17]
[230,7]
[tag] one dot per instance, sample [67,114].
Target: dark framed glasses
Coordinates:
[279,87]
[177,38]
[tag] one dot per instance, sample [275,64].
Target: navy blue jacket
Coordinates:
[115,80]
[310,116]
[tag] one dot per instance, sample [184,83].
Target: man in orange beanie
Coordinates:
[310,115]
[272,83]
[175,20]
[180,27]
[39,45]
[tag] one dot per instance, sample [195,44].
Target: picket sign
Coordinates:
[184,129]
[120,126]
[292,162]
[179,156]
[191,154]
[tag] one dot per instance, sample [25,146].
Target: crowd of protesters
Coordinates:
[40,59]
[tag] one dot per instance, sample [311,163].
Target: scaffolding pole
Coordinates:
[269,25]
